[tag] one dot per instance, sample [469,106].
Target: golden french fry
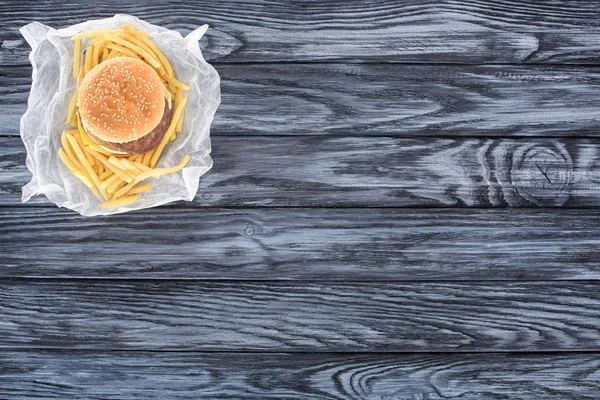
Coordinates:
[123,190]
[143,37]
[88,60]
[172,81]
[176,115]
[71,109]
[130,38]
[96,55]
[76,58]
[136,49]
[84,161]
[115,162]
[105,54]
[69,152]
[115,185]
[132,167]
[147,157]
[119,202]
[157,172]
[92,33]
[133,31]
[104,160]
[120,49]
[76,173]
[114,178]
[141,166]
[107,173]
[74,170]
[141,188]
[178,99]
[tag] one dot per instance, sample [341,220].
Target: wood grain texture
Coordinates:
[383,30]
[391,100]
[367,172]
[303,244]
[187,315]
[175,375]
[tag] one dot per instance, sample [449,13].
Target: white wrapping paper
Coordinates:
[53,85]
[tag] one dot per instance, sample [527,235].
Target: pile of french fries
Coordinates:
[115,178]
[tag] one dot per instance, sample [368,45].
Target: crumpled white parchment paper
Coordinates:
[53,85]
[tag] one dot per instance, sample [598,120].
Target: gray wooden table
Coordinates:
[403,205]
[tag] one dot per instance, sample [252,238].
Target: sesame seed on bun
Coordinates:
[121,100]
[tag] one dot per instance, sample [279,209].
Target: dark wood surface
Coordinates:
[303,244]
[190,375]
[297,316]
[453,31]
[403,205]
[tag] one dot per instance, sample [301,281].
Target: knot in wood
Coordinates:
[542,173]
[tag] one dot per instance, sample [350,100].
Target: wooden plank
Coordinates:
[296,316]
[303,244]
[390,100]
[384,30]
[176,375]
[359,172]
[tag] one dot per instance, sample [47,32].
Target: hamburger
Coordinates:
[124,107]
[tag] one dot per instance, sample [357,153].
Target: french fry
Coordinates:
[178,98]
[176,115]
[76,57]
[136,49]
[131,38]
[88,60]
[124,190]
[115,185]
[69,153]
[147,157]
[84,161]
[115,162]
[71,109]
[73,169]
[76,172]
[104,160]
[122,50]
[130,189]
[158,172]
[141,167]
[132,30]
[92,34]
[119,202]
[96,55]
[114,178]
[106,173]
[132,167]
[89,157]
[141,188]
[172,81]
[143,37]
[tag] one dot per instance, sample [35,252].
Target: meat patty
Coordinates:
[146,142]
